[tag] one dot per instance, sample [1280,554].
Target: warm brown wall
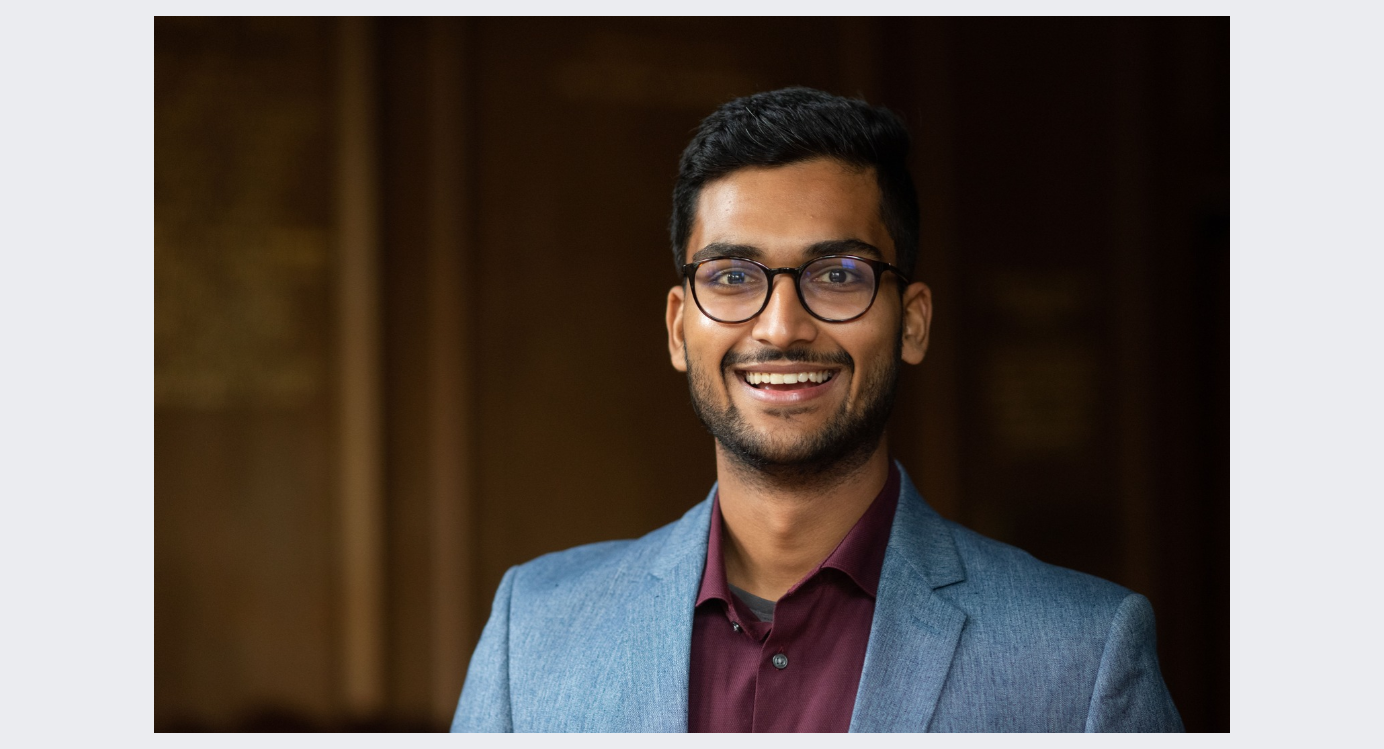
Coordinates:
[242,423]
[1075,185]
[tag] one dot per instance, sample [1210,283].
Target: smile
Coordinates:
[759,379]
[785,387]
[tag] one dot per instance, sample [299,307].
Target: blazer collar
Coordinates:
[915,631]
[913,637]
[686,544]
[660,638]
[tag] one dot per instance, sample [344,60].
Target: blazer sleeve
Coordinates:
[1130,694]
[484,706]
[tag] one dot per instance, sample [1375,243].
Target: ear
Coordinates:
[917,319]
[676,304]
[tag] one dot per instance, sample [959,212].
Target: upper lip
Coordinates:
[789,367]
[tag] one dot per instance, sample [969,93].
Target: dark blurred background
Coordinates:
[381,379]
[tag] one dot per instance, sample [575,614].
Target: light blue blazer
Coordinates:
[969,634]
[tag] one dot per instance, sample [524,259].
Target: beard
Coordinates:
[847,440]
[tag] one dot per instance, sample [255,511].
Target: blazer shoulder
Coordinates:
[1010,578]
[1045,648]
[582,571]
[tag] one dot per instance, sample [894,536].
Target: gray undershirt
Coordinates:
[762,608]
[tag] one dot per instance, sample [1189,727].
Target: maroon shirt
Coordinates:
[738,682]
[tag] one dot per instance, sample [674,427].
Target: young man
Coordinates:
[813,590]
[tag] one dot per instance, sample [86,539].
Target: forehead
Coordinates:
[784,210]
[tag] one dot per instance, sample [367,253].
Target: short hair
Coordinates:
[795,124]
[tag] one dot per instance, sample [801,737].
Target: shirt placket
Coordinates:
[776,680]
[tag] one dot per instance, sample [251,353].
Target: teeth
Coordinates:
[790,378]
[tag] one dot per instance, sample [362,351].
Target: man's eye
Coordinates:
[730,278]
[837,276]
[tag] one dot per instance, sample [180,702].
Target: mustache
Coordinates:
[794,355]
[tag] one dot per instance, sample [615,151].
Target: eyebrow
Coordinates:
[847,246]
[728,249]
[844,247]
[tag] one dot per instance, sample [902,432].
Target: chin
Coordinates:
[830,436]
[828,446]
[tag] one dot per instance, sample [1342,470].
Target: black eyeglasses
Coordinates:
[834,288]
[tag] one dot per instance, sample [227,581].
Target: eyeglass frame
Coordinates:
[877,266]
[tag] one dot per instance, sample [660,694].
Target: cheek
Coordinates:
[872,350]
[706,343]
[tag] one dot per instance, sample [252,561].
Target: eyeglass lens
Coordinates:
[734,290]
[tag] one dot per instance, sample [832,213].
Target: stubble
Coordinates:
[836,450]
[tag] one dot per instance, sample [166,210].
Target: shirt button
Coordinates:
[735,626]
[780,661]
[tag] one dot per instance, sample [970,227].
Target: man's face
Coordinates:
[783,217]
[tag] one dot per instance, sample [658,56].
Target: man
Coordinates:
[813,590]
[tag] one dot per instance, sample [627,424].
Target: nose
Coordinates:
[784,322]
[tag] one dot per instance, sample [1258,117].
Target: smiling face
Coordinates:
[784,391]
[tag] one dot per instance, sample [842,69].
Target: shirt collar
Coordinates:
[860,554]
[714,583]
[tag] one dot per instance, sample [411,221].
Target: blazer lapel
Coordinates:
[659,631]
[915,631]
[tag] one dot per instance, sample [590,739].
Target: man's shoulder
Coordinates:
[1043,647]
[1007,582]
[576,562]
[592,569]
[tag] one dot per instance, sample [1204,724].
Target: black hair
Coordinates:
[795,124]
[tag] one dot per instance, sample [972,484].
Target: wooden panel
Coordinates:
[430,430]
[242,302]
[360,513]
[1033,226]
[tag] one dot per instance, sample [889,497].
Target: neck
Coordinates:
[774,531]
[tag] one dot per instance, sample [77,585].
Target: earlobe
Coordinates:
[673,320]
[917,319]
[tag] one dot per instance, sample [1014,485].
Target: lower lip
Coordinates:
[787,397]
